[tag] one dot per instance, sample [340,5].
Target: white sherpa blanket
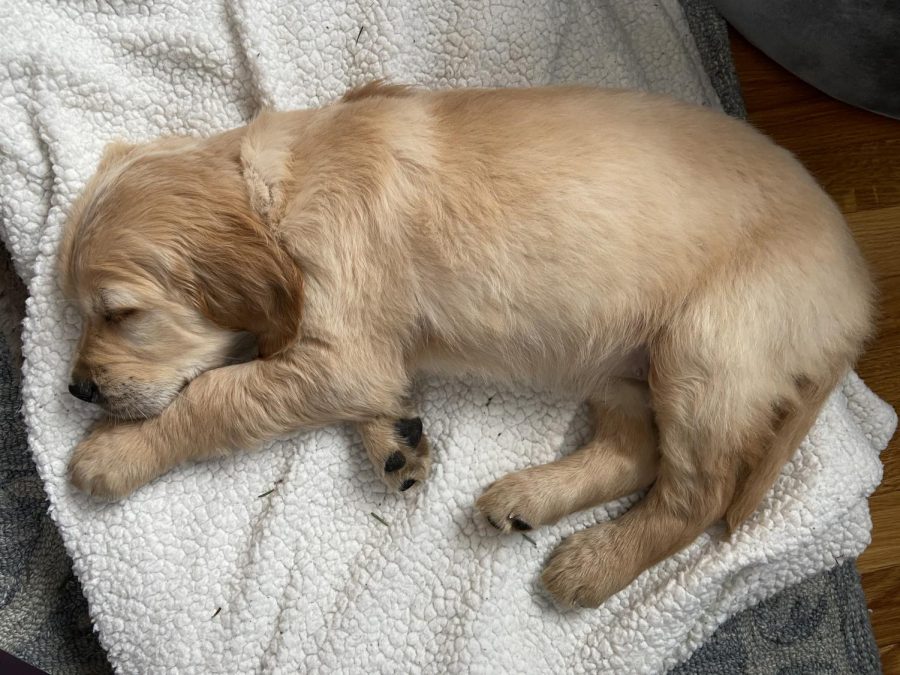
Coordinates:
[275,561]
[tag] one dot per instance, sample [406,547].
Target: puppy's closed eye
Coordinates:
[119,315]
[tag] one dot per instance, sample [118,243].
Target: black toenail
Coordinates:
[519,524]
[410,430]
[408,483]
[493,524]
[395,462]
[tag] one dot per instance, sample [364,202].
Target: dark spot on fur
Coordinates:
[804,384]
[408,483]
[780,411]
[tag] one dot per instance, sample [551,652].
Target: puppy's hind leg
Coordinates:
[729,414]
[695,483]
[621,458]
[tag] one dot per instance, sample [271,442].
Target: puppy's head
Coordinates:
[172,272]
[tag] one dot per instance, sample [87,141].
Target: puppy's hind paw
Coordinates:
[585,569]
[523,500]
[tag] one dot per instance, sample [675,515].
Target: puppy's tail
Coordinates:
[791,423]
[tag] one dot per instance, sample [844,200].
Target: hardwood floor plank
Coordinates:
[878,234]
[884,603]
[890,659]
[884,551]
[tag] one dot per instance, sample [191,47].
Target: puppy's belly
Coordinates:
[634,365]
[570,372]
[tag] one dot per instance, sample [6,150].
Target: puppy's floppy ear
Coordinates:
[209,245]
[246,282]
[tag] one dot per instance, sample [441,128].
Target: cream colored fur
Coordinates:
[668,264]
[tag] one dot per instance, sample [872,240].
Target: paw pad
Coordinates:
[395,462]
[410,430]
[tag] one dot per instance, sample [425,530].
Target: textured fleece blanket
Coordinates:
[294,559]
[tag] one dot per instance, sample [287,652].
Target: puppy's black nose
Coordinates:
[86,390]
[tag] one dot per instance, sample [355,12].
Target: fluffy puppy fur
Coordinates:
[668,264]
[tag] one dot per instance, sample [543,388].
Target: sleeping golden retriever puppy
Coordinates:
[668,264]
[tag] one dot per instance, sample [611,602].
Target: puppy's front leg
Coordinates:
[237,406]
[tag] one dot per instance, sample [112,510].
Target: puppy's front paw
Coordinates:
[113,461]
[399,451]
[584,570]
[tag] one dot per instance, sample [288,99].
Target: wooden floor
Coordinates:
[856,157]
